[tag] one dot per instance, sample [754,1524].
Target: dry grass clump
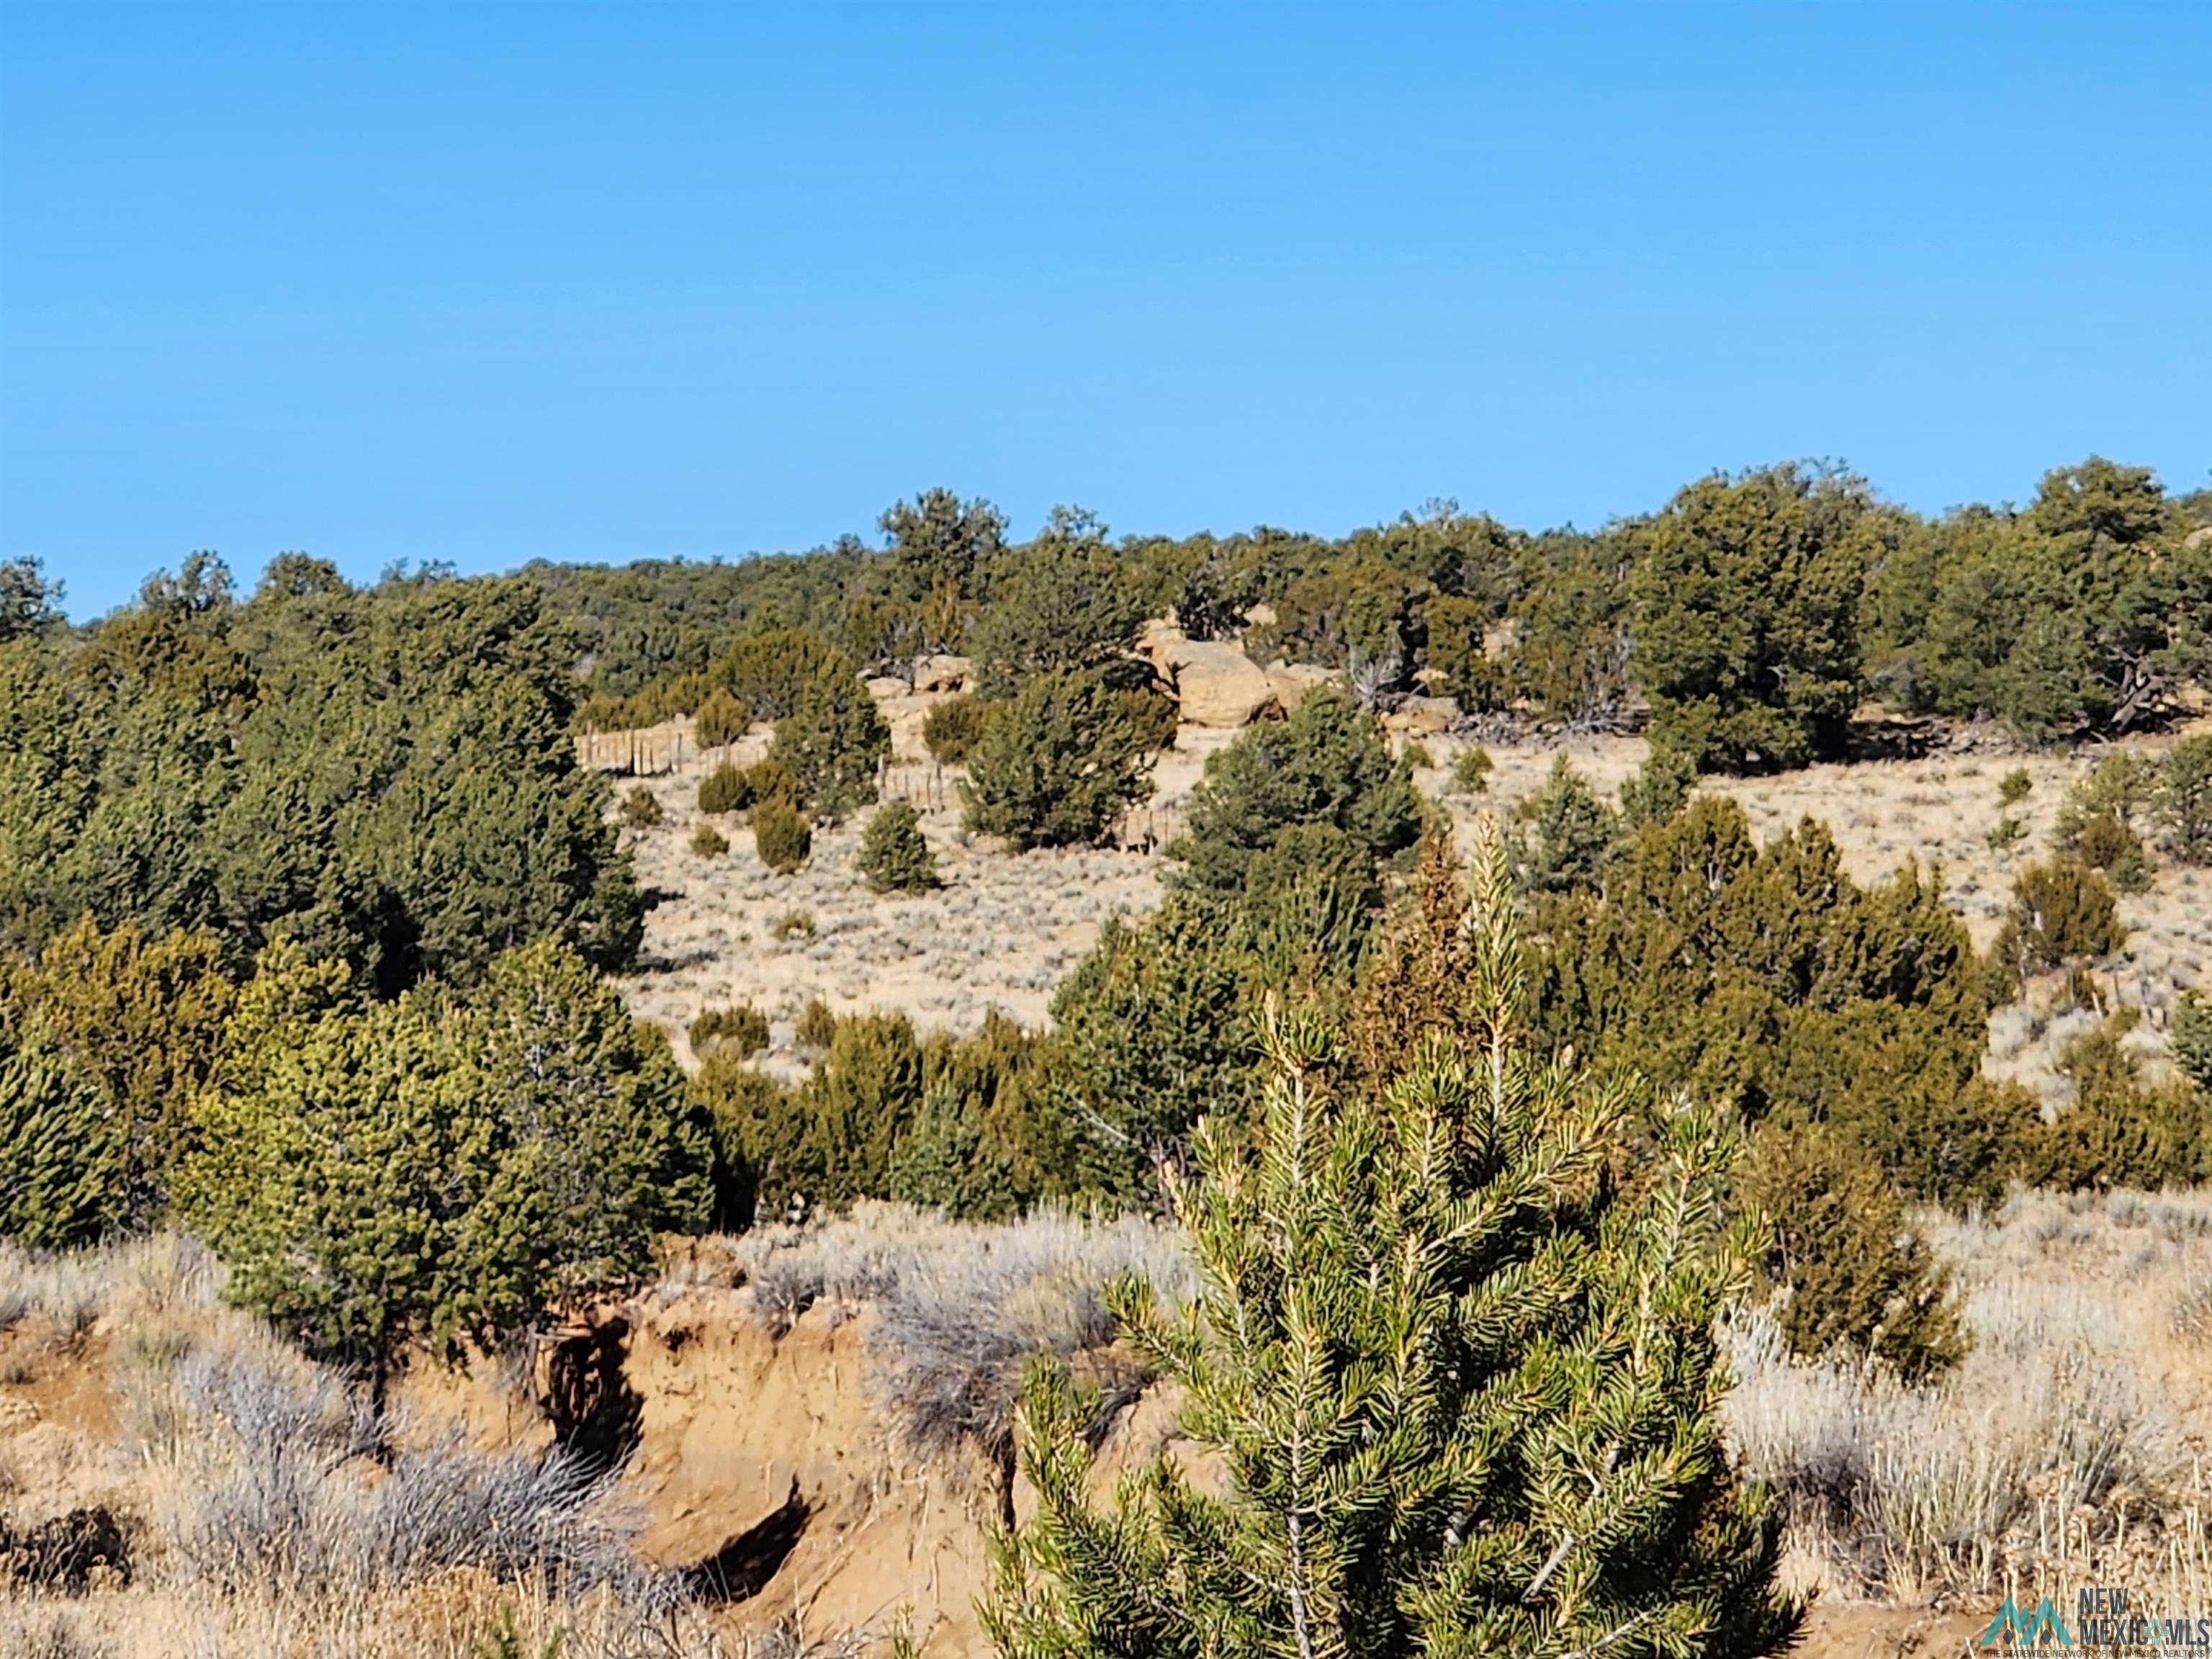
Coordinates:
[271,1512]
[2063,1450]
[61,1292]
[959,1311]
[452,1616]
[66,1291]
[271,1474]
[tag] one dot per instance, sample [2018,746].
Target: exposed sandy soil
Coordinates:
[769,1451]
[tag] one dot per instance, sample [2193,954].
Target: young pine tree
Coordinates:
[1464,1386]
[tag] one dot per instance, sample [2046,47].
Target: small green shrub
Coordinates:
[2015,786]
[817,1025]
[893,857]
[2105,843]
[981,1147]
[771,780]
[708,843]
[2192,1038]
[741,1029]
[751,1123]
[790,925]
[2119,786]
[950,728]
[1419,756]
[2183,802]
[1471,771]
[2007,831]
[2062,912]
[504,1641]
[781,835]
[864,1091]
[1563,834]
[640,808]
[2119,1131]
[722,720]
[1857,1274]
[1362,614]
[727,788]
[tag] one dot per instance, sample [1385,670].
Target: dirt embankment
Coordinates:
[765,1471]
[770,1455]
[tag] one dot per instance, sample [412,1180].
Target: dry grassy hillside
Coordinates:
[1006,928]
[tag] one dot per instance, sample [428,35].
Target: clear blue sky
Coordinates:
[603,282]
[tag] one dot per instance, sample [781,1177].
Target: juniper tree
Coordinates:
[1058,765]
[1148,1040]
[2062,913]
[1329,762]
[381,1174]
[1064,606]
[1463,1382]
[1746,596]
[832,742]
[893,857]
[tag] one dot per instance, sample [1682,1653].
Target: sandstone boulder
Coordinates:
[1217,684]
[1293,682]
[1213,682]
[1422,716]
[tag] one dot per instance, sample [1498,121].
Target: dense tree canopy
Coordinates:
[385,774]
[1751,612]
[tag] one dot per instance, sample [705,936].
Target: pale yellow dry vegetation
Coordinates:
[1006,927]
[864,1363]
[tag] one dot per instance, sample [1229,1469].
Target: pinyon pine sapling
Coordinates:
[1461,1375]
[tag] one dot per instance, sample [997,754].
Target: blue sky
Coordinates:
[610,281]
